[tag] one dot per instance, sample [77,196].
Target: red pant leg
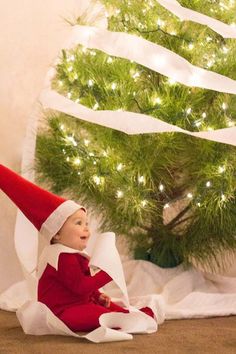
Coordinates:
[86,317]
[116,308]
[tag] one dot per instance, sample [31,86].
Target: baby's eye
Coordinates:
[78,222]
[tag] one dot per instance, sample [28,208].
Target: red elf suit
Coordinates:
[65,283]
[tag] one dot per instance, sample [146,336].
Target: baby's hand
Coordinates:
[104,300]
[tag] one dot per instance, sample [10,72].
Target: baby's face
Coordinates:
[75,231]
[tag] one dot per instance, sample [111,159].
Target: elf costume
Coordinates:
[65,284]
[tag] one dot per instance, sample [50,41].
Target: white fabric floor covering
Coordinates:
[174,293]
[177,293]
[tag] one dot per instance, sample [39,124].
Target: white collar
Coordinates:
[50,255]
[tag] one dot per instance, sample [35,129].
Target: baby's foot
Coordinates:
[148,311]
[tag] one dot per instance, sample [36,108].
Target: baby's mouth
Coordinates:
[83,237]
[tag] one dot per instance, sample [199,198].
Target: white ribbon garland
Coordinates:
[183,13]
[128,122]
[151,55]
[143,52]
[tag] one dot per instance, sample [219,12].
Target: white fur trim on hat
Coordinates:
[57,218]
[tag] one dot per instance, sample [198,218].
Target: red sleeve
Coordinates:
[96,295]
[72,276]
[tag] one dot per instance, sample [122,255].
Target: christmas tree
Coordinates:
[171,195]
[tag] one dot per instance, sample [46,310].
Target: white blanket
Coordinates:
[171,293]
[178,293]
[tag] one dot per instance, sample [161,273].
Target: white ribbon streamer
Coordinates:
[183,13]
[128,122]
[144,52]
[35,318]
[151,55]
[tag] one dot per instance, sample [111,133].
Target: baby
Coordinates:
[65,284]
[71,292]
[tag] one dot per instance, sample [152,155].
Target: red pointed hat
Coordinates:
[46,211]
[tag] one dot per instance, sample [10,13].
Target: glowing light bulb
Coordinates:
[160,22]
[198,123]
[225,49]
[97,179]
[71,139]
[141,179]
[96,106]
[208,184]
[119,194]
[224,106]
[230,123]
[157,100]
[119,167]
[210,63]
[223,197]
[137,74]
[221,169]
[189,110]
[77,161]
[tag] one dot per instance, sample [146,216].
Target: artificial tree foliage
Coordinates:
[172,195]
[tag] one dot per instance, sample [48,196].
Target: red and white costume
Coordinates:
[65,284]
[68,289]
